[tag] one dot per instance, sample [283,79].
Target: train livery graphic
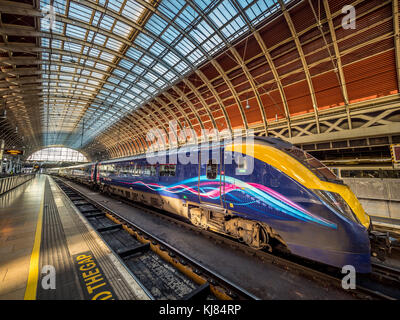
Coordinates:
[238,193]
[289,200]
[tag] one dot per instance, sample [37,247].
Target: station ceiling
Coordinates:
[98,75]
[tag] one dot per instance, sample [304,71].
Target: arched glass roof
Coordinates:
[102,59]
[58,154]
[107,72]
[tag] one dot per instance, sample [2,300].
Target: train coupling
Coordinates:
[382,244]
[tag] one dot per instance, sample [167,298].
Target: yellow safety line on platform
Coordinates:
[31,286]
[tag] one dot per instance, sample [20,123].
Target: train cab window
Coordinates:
[167,170]
[318,168]
[212,168]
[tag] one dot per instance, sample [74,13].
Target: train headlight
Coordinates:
[337,203]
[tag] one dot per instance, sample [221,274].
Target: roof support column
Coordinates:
[203,78]
[303,61]
[253,86]
[201,100]
[271,64]
[232,89]
[166,119]
[338,65]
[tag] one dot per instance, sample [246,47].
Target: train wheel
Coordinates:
[255,237]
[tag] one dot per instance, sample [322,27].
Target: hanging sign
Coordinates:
[13,152]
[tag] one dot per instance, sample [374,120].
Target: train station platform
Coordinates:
[48,251]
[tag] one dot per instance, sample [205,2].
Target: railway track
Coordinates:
[377,285]
[162,271]
[384,272]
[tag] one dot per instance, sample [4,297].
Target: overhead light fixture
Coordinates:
[247,105]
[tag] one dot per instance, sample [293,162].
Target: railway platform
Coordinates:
[48,251]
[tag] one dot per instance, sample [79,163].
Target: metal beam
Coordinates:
[347,134]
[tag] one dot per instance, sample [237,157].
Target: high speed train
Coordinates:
[267,194]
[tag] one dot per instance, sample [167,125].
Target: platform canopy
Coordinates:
[98,75]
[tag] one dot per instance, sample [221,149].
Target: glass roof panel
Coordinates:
[57,154]
[132,10]
[121,53]
[115,5]
[79,12]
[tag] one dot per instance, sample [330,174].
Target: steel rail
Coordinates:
[388,272]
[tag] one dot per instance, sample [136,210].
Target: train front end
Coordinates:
[321,219]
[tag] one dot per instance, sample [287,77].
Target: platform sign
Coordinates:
[395,151]
[13,152]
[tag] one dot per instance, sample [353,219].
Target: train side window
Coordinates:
[135,169]
[104,171]
[167,170]
[212,169]
[111,169]
[150,170]
[242,164]
[126,171]
[139,170]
